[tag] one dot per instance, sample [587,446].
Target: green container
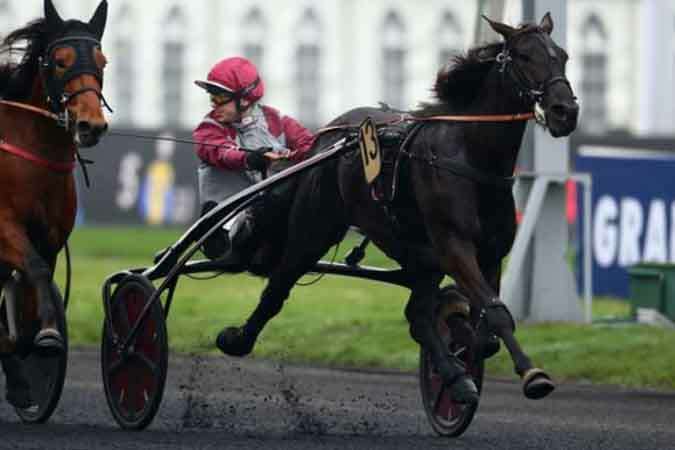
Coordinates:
[647,287]
[668,271]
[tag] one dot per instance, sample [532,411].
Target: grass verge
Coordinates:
[350,322]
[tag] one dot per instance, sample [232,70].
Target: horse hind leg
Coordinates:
[311,233]
[240,341]
[455,310]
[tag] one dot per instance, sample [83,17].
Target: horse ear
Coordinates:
[54,21]
[98,20]
[547,23]
[501,28]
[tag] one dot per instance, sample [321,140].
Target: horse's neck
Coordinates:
[32,130]
[495,146]
[38,97]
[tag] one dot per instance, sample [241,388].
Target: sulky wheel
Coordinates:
[45,374]
[134,380]
[447,417]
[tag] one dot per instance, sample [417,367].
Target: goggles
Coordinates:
[218,100]
[221,96]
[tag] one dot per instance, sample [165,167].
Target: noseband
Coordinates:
[55,86]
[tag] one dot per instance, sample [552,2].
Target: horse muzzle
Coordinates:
[88,133]
[561,118]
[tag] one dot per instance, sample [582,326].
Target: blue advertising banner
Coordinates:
[151,181]
[633,211]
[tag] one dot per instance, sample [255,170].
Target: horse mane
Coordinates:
[459,81]
[28,42]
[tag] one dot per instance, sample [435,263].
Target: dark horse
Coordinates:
[454,210]
[51,104]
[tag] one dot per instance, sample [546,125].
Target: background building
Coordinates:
[322,58]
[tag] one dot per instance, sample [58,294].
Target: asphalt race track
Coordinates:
[218,402]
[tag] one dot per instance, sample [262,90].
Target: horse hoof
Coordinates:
[233,342]
[49,342]
[20,398]
[464,391]
[537,384]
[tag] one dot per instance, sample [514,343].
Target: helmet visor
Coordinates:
[214,88]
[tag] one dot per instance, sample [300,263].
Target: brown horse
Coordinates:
[454,211]
[51,104]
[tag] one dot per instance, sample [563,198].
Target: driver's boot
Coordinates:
[242,239]
[217,243]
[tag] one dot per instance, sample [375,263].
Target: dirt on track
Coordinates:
[219,402]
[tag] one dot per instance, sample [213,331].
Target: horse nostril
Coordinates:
[564,111]
[83,127]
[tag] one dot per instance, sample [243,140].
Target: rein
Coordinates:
[477,118]
[494,118]
[32,108]
[147,137]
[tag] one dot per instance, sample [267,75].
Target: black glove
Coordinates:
[256,161]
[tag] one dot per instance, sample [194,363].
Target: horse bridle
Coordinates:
[55,86]
[536,94]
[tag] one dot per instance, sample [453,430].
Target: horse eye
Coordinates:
[60,63]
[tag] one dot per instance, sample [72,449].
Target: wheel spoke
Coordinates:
[114,367]
[132,394]
[119,321]
[121,363]
[154,368]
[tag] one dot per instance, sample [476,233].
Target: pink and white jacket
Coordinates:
[223,170]
[298,139]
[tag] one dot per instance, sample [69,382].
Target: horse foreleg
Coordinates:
[17,386]
[38,274]
[33,271]
[536,383]
[458,259]
[421,314]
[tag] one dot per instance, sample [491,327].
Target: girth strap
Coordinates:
[460,169]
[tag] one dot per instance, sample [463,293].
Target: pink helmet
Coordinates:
[237,77]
